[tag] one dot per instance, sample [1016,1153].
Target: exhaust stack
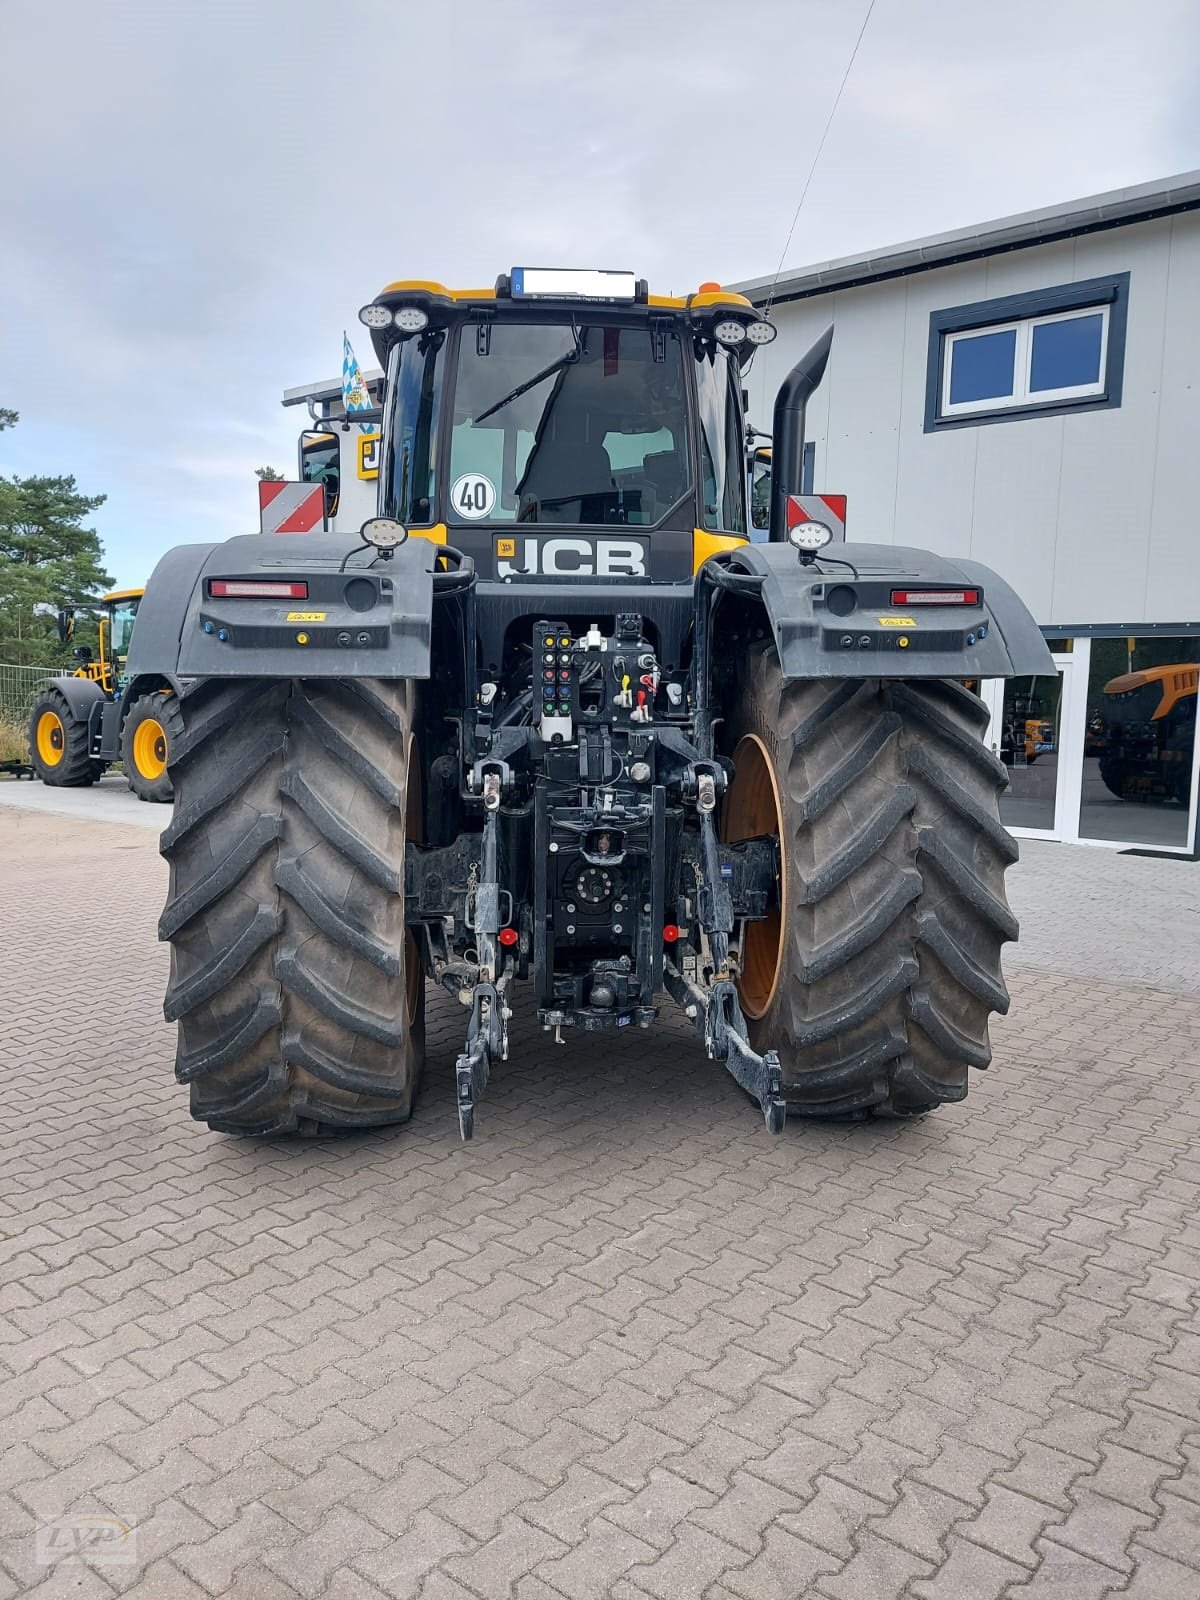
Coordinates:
[787,432]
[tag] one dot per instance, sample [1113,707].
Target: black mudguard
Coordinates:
[81,694]
[370,621]
[830,623]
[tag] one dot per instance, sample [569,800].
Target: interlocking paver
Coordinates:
[968,1571]
[400,1565]
[685,1571]
[786,1566]
[623,1345]
[877,1570]
[1063,1572]
[1158,1577]
[834,1517]
[309,1563]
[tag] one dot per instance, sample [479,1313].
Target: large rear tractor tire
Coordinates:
[296,986]
[876,978]
[152,725]
[58,743]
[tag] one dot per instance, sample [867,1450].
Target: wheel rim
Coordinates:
[51,739]
[752,810]
[150,749]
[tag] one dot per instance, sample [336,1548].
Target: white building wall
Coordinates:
[1093,516]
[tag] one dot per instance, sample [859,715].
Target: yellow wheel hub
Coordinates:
[51,739]
[752,810]
[150,749]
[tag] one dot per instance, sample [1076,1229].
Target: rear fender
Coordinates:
[827,623]
[81,694]
[371,621]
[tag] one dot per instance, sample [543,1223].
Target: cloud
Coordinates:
[197,199]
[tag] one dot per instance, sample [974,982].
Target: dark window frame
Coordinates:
[1111,291]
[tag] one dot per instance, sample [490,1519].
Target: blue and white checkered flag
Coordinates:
[355,394]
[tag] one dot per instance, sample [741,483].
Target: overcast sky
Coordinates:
[195,198]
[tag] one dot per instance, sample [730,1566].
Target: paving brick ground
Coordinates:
[624,1344]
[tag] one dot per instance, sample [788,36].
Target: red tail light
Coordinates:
[508,937]
[935,597]
[253,589]
[671,933]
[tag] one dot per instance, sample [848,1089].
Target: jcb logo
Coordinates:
[368,455]
[570,558]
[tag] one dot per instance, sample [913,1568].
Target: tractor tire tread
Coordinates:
[895,914]
[286,913]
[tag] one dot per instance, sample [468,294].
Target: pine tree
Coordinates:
[48,558]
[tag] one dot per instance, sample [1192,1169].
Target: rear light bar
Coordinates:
[245,589]
[935,597]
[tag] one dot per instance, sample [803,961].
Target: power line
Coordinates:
[816,158]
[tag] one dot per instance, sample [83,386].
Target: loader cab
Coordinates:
[566,424]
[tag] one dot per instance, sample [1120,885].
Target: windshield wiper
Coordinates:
[531,383]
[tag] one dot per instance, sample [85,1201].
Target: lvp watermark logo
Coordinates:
[98,1540]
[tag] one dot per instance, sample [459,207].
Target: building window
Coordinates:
[1051,351]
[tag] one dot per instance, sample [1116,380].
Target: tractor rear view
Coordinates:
[552,718]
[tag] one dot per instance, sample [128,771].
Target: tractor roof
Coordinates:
[1187,671]
[709,294]
[409,304]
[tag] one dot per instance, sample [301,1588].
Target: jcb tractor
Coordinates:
[83,721]
[551,718]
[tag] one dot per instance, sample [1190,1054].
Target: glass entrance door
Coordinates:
[1030,719]
[1106,751]
[1140,744]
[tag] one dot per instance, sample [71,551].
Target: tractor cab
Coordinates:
[121,609]
[566,424]
[115,613]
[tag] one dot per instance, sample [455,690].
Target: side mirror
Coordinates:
[66,626]
[320,463]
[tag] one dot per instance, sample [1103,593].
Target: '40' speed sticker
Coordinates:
[473,496]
